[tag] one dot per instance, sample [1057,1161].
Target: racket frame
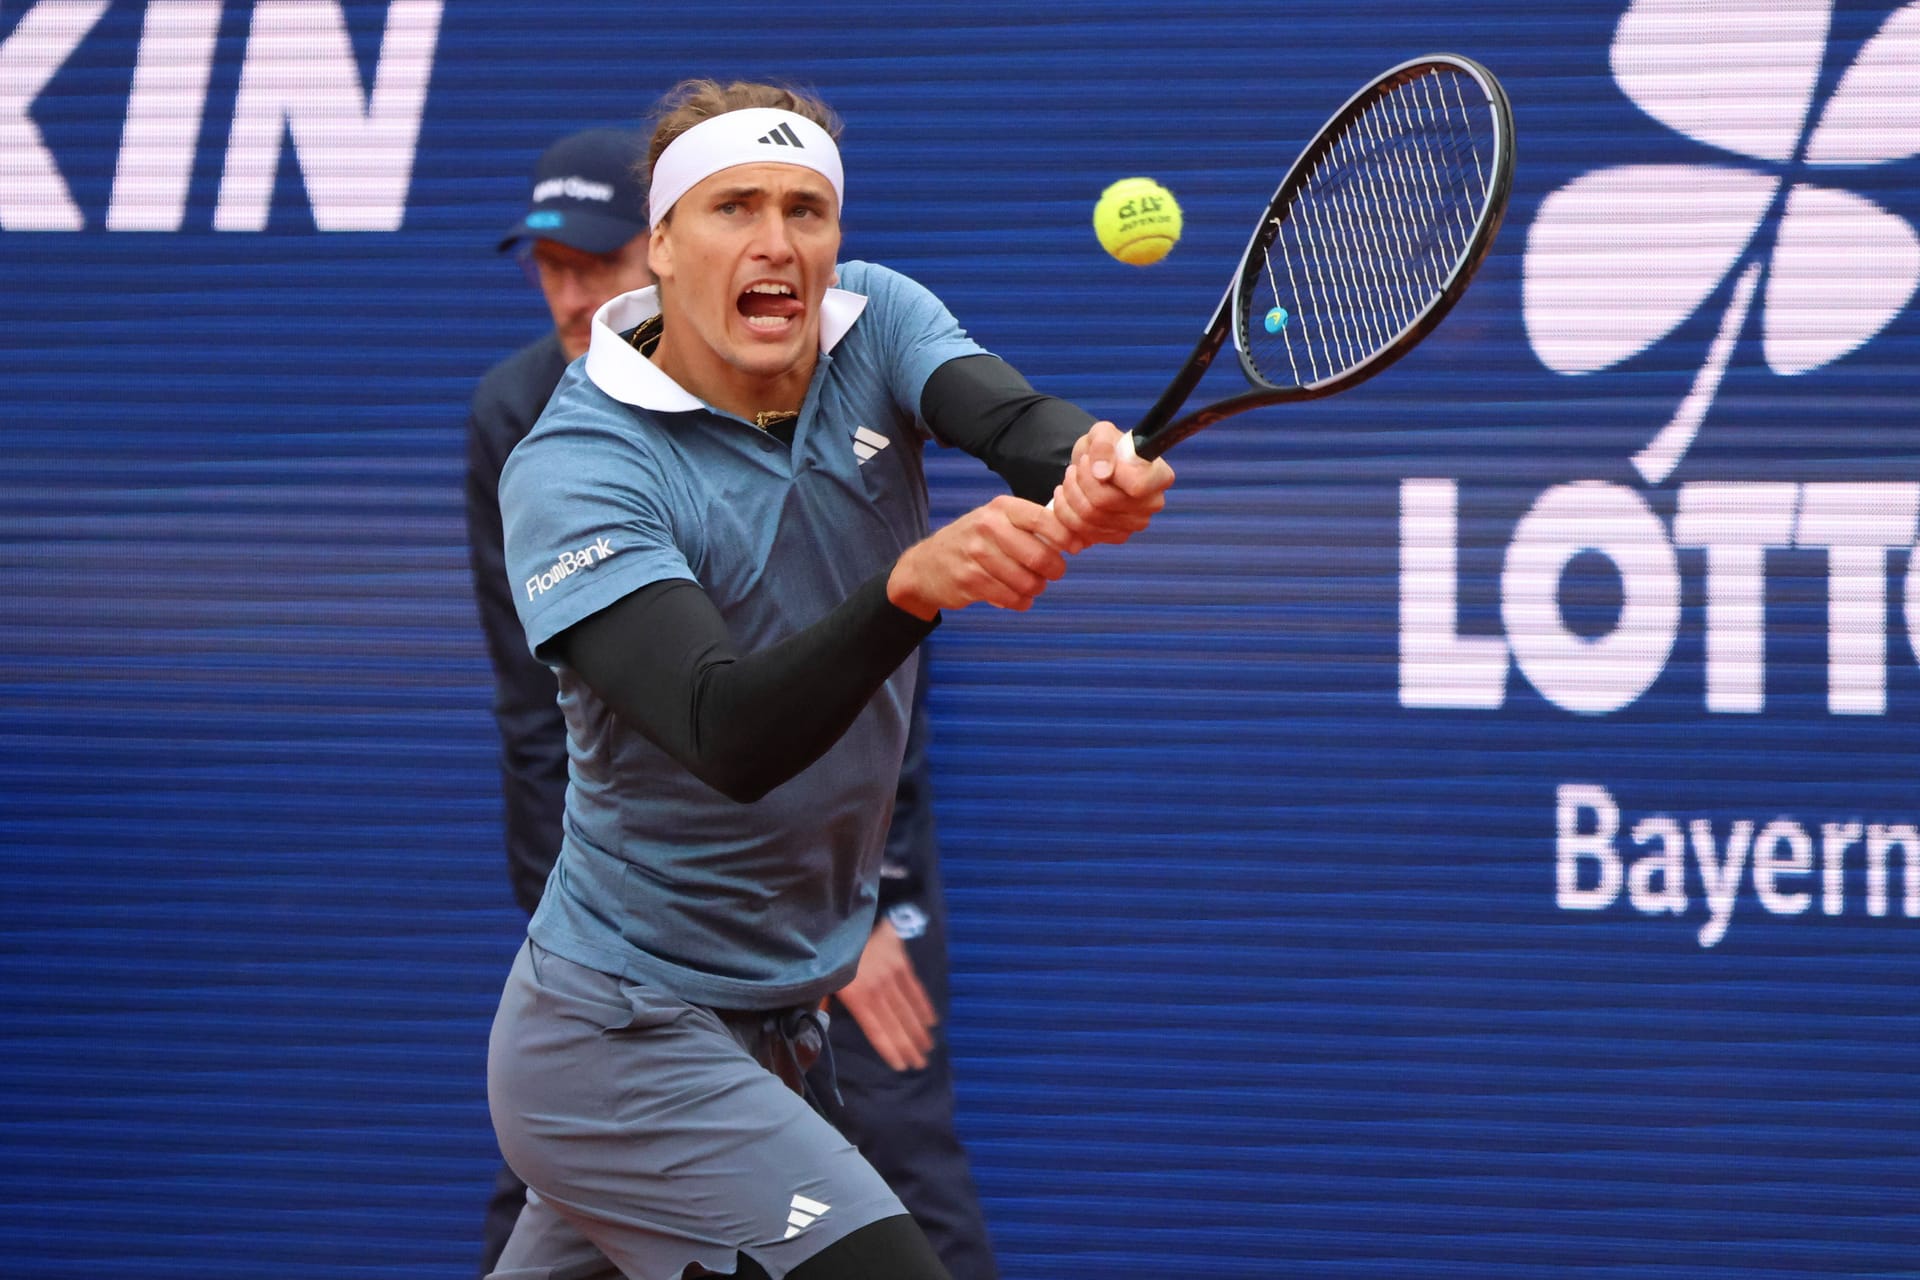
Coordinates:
[1159,431]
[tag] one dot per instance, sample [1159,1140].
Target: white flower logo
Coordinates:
[1619,257]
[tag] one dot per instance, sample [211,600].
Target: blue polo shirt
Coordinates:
[628,479]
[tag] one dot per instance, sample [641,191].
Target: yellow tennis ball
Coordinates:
[1137,220]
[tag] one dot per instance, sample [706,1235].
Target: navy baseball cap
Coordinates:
[587,192]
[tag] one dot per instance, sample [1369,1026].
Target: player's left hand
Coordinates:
[888,1002]
[1108,494]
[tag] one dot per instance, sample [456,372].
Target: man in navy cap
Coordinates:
[584,240]
[584,237]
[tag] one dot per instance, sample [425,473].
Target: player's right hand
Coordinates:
[1003,554]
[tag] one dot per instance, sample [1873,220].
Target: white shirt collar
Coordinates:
[629,377]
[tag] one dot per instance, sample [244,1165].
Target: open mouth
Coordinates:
[768,304]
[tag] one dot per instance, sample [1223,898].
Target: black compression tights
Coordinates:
[890,1249]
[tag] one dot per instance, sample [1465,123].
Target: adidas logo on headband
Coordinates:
[784,136]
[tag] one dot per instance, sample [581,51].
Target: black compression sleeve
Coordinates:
[743,724]
[983,405]
[891,1249]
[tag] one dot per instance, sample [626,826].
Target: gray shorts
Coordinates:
[656,1133]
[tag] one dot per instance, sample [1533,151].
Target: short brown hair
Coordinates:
[692,101]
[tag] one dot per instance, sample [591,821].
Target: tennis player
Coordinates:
[584,238]
[717,537]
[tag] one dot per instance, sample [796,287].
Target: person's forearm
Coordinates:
[662,660]
[983,405]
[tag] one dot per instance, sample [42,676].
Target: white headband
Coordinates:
[751,135]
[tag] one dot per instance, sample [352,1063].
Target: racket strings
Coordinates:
[1374,233]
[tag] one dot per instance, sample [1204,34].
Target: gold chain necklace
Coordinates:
[647,336]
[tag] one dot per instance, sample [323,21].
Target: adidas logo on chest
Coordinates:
[867,444]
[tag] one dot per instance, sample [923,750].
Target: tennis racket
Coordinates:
[1372,236]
